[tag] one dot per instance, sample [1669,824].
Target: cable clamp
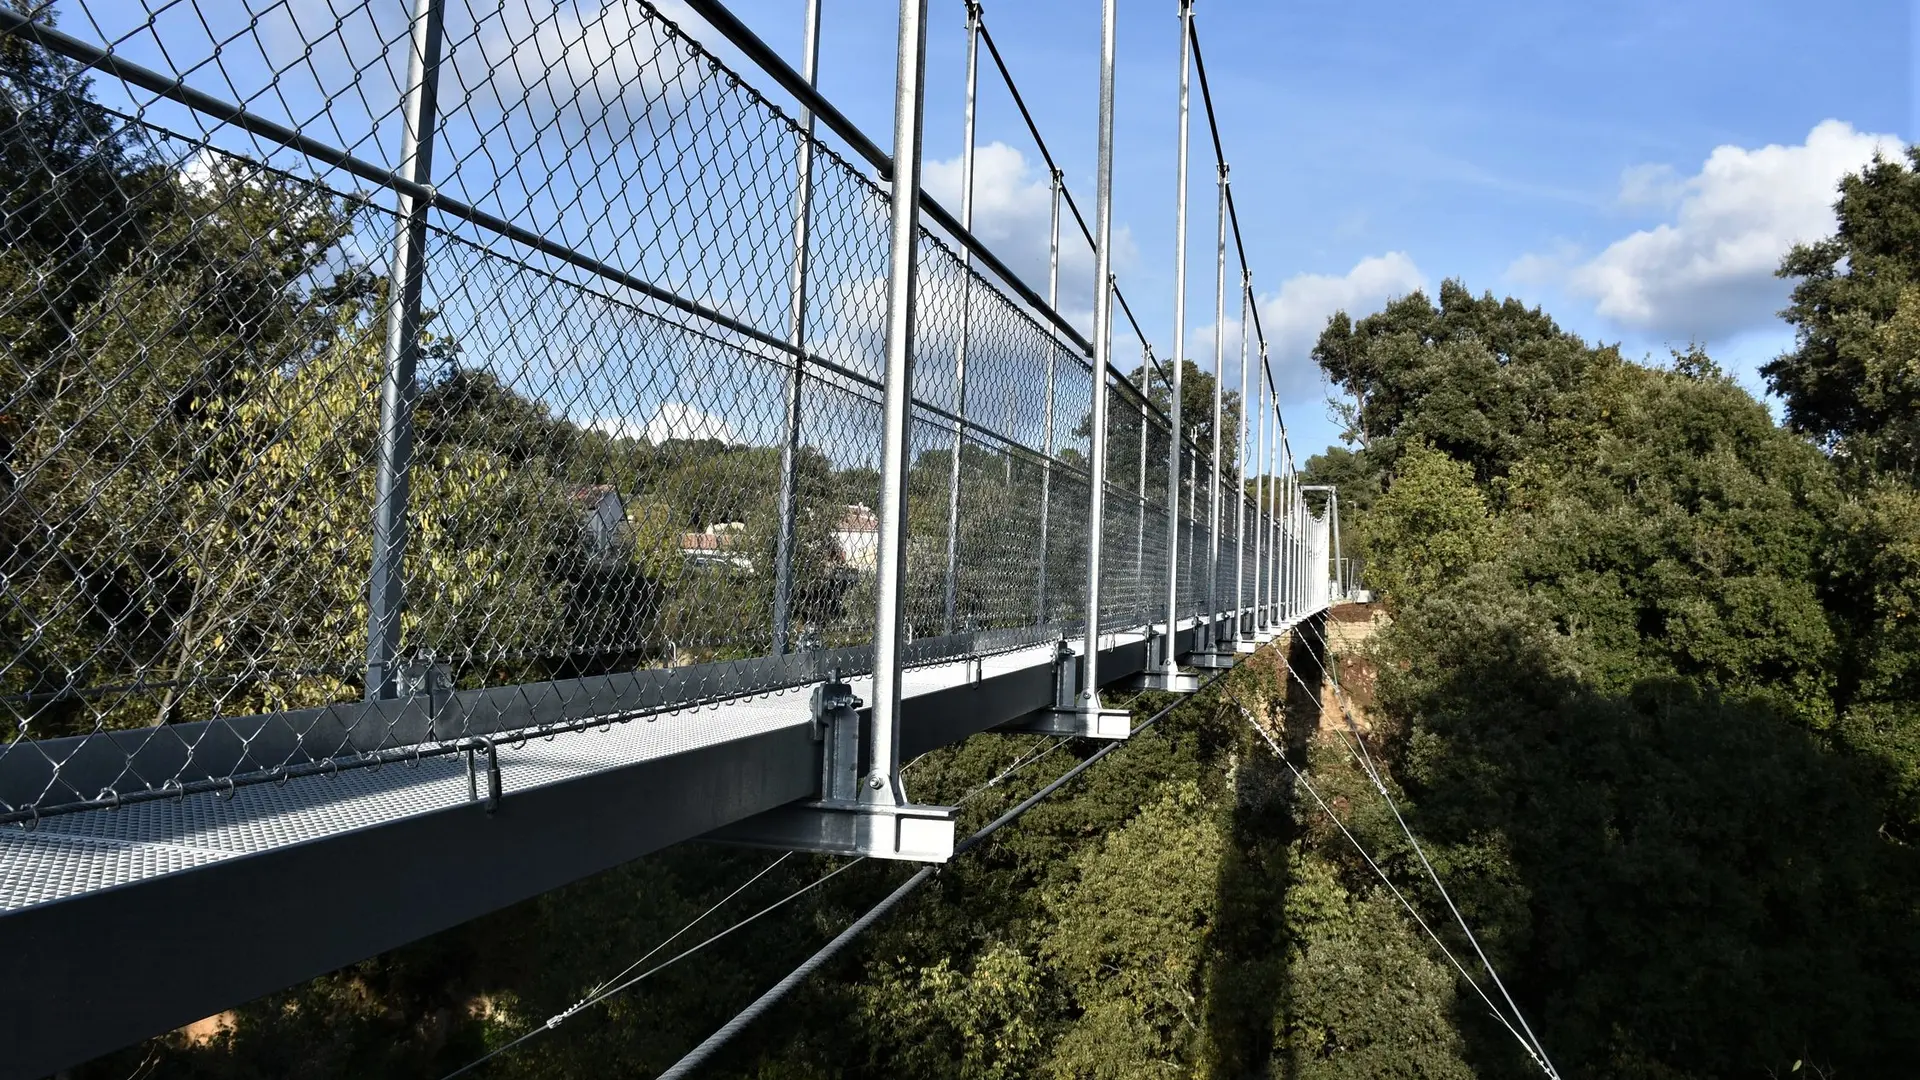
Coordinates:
[558,1018]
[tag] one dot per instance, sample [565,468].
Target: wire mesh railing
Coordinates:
[379,383]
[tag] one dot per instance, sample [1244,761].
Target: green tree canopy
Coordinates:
[1852,380]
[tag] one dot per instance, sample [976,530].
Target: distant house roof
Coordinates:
[709,541]
[725,544]
[858,518]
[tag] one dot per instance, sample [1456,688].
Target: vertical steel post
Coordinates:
[1260,496]
[1283,532]
[1267,493]
[1294,555]
[386,586]
[1140,520]
[789,506]
[1103,348]
[1271,496]
[1251,465]
[1297,547]
[1339,564]
[1193,520]
[1242,432]
[1301,594]
[1274,555]
[1301,523]
[1305,593]
[1295,502]
[1309,593]
[1276,529]
[1209,639]
[1287,540]
[882,737]
[1053,354]
[966,318]
[1281,537]
[1169,665]
[1089,700]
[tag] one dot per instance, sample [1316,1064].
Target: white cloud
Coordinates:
[1707,274]
[1293,318]
[1012,215]
[672,420]
[1652,186]
[581,59]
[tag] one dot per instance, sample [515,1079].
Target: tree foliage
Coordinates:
[1852,380]
[1648,688]
[1649,695]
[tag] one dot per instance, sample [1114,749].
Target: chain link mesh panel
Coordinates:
[622,372]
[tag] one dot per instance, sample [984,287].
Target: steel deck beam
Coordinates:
[205,902]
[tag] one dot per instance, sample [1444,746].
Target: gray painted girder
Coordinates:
[228,931]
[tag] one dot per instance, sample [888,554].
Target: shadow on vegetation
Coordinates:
[1672,882]
[1248,979]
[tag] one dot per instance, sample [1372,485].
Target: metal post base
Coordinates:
[910,833]
[1176,682]
[1209,661]
[1087,723]
[1067,716]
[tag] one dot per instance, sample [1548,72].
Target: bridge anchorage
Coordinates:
[425,503]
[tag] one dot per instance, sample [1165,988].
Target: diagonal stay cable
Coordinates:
[1373,773]
[1301,776]
[609,991]
[1031,757]
[670,939]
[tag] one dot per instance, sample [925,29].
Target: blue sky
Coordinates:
[1608,161]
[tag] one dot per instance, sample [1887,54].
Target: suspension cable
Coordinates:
[1373,774]
[1301,776]
[609,991]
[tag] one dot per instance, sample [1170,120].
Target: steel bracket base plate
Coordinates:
[909,833]
[1087,723]
[1180,682]
[1209,661]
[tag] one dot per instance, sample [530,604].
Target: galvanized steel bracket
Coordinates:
[909,833]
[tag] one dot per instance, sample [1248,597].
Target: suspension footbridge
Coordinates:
[451,452]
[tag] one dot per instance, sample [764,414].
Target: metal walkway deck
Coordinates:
[233,896]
